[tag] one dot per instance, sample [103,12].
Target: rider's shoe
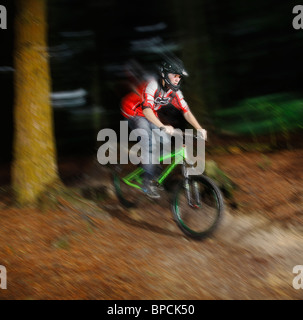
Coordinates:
[159,186]
[151,192]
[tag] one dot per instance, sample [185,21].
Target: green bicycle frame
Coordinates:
[134,179]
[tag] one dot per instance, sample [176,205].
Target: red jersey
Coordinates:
[151,95]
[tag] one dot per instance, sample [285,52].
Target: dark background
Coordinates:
[233,51]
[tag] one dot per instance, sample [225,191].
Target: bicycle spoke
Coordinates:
[199,216]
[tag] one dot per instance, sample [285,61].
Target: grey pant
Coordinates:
[147,145]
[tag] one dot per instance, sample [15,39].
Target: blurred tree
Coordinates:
[34,156]
[197,54]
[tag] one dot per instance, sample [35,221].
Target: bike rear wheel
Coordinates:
[128,182]
[197,206]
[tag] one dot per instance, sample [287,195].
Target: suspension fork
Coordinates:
[192,193]
[191,186]
[196,192]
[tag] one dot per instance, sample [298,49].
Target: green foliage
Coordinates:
[265,163]
[223,181]
[270,114]
[62,243]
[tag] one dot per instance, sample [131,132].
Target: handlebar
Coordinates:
[183,134]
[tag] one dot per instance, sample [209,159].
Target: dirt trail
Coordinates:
[99,250]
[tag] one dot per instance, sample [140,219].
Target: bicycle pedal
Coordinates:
[151,192]
[194,206]
[160,187]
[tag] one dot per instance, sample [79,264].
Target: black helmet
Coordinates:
[174,66]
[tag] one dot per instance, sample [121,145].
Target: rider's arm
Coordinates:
[182,105]
[148,105]
[149,114]
[190,118]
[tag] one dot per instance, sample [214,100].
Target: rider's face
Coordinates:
[174,78]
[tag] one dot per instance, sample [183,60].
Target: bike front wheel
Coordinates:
[197,206]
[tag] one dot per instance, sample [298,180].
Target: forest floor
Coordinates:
[85,249]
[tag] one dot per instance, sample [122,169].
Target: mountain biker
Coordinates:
[141,108]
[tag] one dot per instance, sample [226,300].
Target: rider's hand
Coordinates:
[168,129]
[202,133]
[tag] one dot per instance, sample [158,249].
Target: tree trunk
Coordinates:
[34,156]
